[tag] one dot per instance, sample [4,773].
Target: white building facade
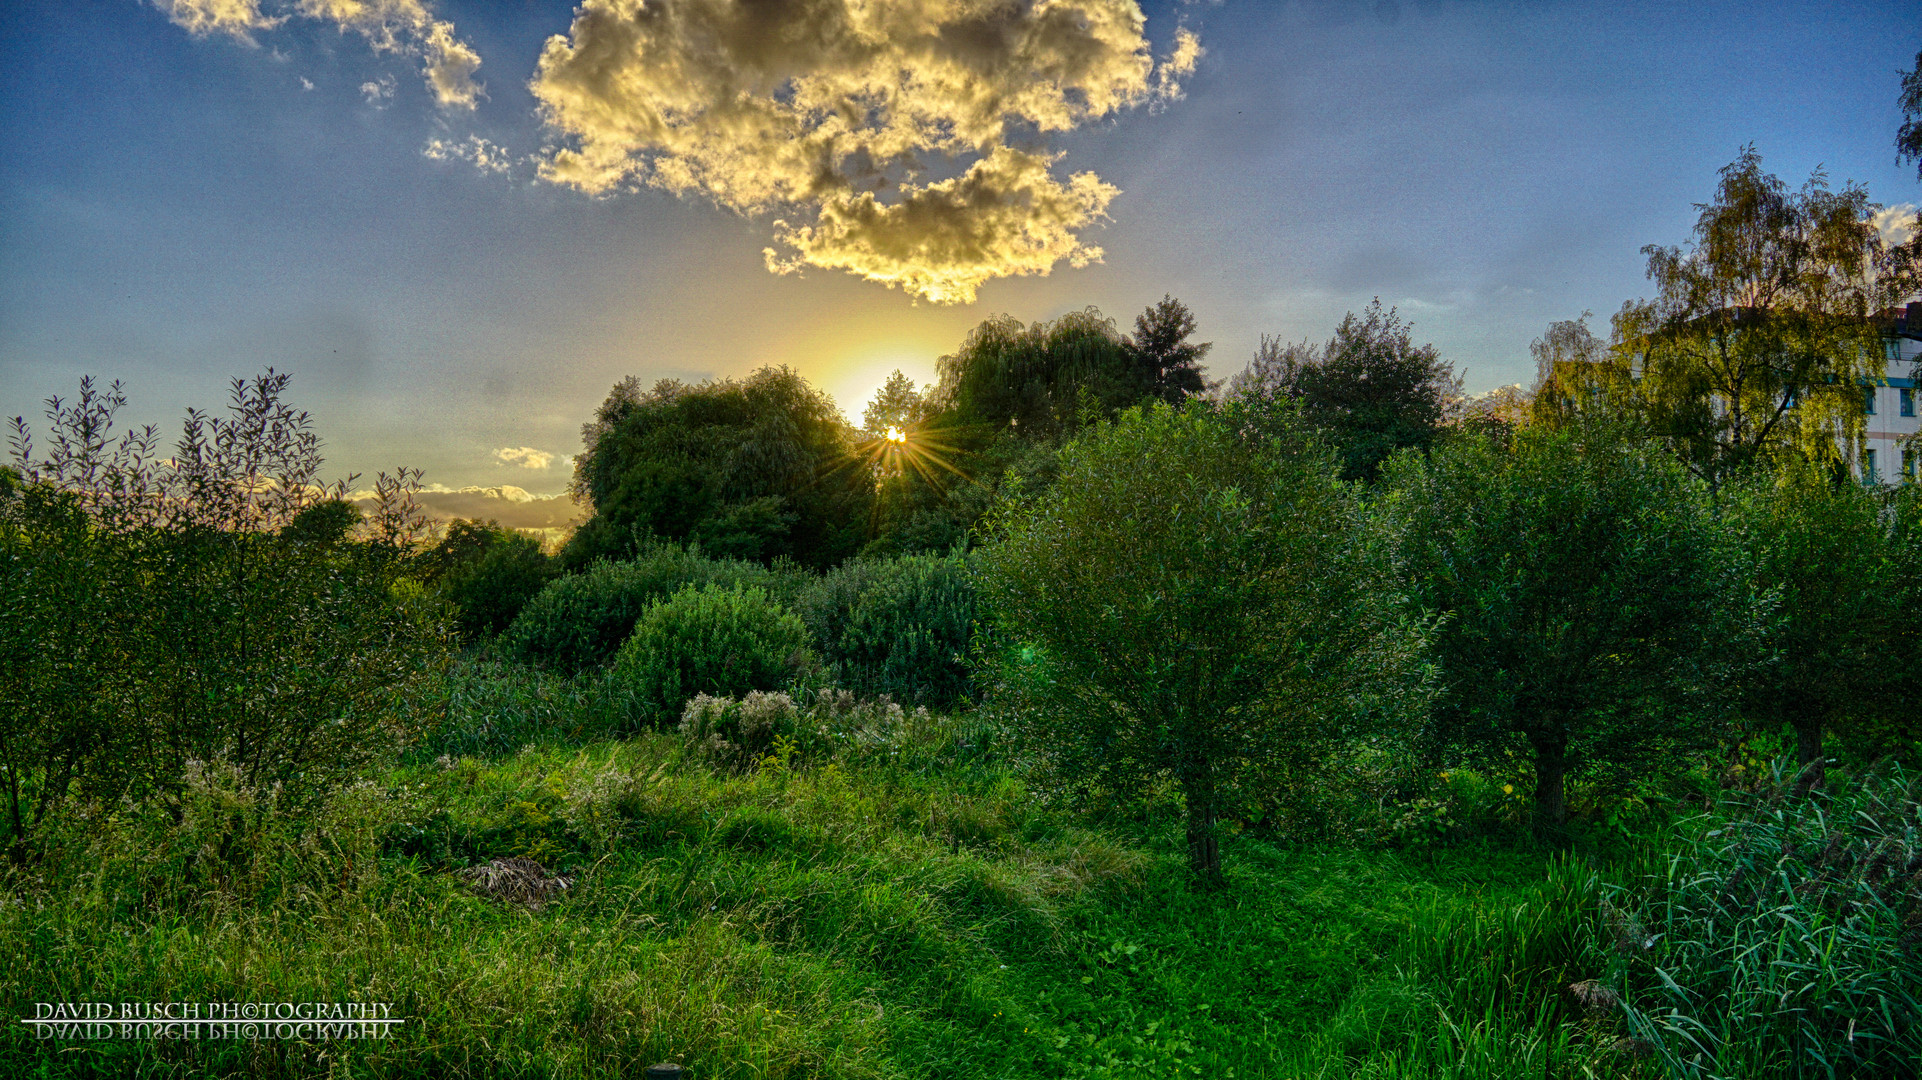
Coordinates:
[1895,405]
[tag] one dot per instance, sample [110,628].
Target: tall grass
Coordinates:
[908,913]
[1782,936]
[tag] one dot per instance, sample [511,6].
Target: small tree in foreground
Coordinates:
[1184,604]
[1822,545]
[1594,611]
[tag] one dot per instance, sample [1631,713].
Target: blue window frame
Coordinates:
[1907,399]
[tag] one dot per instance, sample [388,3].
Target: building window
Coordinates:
[1908,465]
[1907,401]
[1868,400]
[1868,466]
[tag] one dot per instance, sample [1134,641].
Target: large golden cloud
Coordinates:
[838,108]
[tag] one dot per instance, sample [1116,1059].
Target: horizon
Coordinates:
[380,208]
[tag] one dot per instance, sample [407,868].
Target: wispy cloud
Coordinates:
[524,456]
[841,109]
[405,27]
[476,151]
[235,18]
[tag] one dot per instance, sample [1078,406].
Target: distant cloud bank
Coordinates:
[550,516]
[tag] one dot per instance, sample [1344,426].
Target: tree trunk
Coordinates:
[1204,846]
[1551,790]
[1808,754]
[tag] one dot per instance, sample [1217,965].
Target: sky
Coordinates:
[458,224]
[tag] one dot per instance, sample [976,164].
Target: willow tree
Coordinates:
[756,468]
[1760,339]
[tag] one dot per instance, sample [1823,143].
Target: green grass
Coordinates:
[913,914]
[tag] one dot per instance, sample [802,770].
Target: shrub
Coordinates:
[896,627]
[734,734]
[581,621]
[737,735]
[489,573]
[215,611]
[707,639]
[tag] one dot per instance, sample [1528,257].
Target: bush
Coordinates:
[896,627]
[581,621]
[489,573]
[1784,939]
[737,735]
[707,639]
[215,612]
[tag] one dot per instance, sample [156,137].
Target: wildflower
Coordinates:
[1508,789]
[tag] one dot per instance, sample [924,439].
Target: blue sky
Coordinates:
[179,208]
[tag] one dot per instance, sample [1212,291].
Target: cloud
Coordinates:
[516,508]
[525,456]
[236,18]
[1007,215]
[405,27]
[476,151]
[377,92]
[1895,224]
[841,108]
[306,83]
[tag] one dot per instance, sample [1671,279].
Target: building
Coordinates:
[1895,415]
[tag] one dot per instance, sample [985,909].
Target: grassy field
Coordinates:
[907,911]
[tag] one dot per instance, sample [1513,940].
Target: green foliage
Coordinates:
[489,574]
[1184,604]
[1908,139]
[581,620]
[707,640]
[1783,937]
[1594,613]
[1031,378]
[1371,391]
[899,627]
[209,616]
[1822,546]
[1760,338]
[751,470]
[1167,365]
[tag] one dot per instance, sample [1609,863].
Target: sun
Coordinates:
[900,450]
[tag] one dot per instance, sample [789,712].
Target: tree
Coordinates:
[1371,390]
[1577,379]
[752,469]
[896,405]
[1167,365]
[1760,340]
[1823,547]
[1908,139]
[488,573]
[1592,610]
[1183,604]
[1038,381]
